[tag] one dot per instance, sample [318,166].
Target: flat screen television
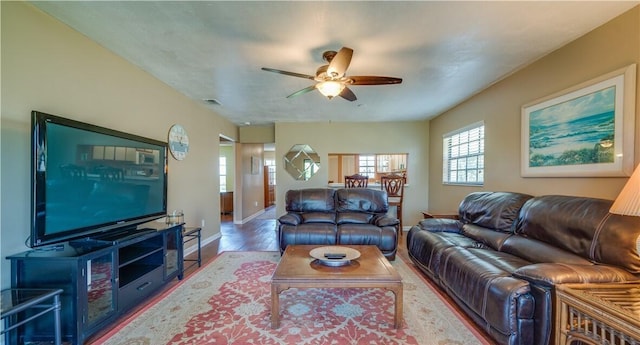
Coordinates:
[91,182]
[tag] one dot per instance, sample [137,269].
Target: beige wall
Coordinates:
[47,66]
[325,138]
[608,48]
[257,134]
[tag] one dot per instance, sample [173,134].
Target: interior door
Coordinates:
[269,172]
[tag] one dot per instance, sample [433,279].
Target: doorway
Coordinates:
[227,178]
[269,172]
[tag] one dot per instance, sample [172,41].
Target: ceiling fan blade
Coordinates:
[374,80]
[339,63]
[348,94]
[303,91]
[293,74]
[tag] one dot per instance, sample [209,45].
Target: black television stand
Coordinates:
[102,278]
[111,238]
[90,242]
[124,234]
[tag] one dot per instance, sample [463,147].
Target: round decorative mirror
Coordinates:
[301,162]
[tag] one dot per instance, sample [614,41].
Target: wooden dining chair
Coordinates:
[356,181]
[394,186]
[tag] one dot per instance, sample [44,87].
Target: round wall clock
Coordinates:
[178,142]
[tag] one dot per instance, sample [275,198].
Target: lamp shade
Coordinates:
[330,88]
[628,201]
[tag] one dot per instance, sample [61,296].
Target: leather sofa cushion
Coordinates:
[354,217]
[493,210]
[384,220]
[618,242]
[566,222]
[427,246]
[583,226]
[310,200]
[367,234]
[309,233]
[537,251]
[503,261]
[487,290]
[362,200]
[549,274]
[318,217]
[290,219]
[440,224]
[488,237]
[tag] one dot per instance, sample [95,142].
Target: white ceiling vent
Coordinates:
[213,101]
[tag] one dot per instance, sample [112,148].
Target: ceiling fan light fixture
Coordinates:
[330,88]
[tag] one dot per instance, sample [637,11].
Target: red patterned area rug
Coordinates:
[228,301]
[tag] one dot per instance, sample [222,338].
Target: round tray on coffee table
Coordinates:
[334,255]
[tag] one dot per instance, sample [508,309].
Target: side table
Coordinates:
[427,215]
[15,301]
[189,234]
[606,313]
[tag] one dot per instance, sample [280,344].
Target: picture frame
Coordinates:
[583,131]
[255,165]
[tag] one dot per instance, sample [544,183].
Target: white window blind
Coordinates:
[463,155]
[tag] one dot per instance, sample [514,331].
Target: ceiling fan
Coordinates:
[331,80]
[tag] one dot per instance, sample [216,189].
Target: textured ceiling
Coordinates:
[445,51]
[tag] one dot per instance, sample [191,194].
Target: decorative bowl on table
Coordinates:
[334,255]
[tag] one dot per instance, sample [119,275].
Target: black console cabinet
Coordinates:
[99,281]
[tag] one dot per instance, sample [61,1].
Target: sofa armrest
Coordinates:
[290,219]
[549,274]
[384,220]
[441,225]
[427,215]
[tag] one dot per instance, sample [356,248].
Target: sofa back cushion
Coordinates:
[493,210]
[354,218]
[618,242]
[310,200]
[536,251]
[584,227]
[361,200]
[318,217]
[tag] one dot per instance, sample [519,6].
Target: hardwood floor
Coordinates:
[259,234]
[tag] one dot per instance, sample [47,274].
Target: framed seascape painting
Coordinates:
[583,131]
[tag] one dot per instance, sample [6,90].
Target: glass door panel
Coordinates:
[100,288]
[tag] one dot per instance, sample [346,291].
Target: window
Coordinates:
[367,165]
[463,156]
[223,174]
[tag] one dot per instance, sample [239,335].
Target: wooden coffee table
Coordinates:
[297,269]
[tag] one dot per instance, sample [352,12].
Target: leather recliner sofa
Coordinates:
[500,260]
[326,216]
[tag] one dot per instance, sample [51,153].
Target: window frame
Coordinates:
[369,167]
[222,166]
[464,157]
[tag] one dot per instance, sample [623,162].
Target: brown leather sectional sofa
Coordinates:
[327,216]
[502,258]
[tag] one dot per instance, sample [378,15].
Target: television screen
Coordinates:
[90,180]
